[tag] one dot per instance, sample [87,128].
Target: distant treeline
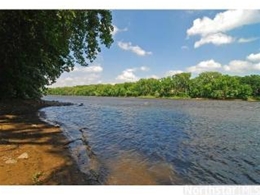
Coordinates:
[211,85]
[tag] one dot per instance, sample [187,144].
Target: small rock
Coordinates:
[11,161]
[23,156]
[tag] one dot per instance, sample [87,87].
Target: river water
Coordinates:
[156,141]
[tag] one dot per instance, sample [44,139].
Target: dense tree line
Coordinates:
[212,85]
[38,45]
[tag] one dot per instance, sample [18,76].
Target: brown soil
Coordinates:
[46,158]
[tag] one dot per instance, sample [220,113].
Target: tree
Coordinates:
[182,83]
[212,85]
[228,85]
[254,82]
[37,46]
[204,84]
[166,87]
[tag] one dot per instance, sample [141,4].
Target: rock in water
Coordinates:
[23,156]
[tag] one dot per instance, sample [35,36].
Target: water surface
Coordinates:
[151,141]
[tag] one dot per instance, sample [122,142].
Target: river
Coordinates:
[158,141]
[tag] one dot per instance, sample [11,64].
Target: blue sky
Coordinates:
[159,43]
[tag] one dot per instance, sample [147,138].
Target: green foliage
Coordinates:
[37,46]
[212,85]
[254,82]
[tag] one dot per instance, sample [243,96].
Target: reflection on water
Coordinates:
[135,141]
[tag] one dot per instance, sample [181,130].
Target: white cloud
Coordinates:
[88,69]
[127,76]
[224,22]
[173,72]
[209,65]
[212,30]
[254,57]
[247,40]
[216,39]
[144,68]
[135,49]
[117,30]
[250,65]
[80,76]
[153,76]
[234,66]
[74,80]
[238,66]
[257,66]
[68,79]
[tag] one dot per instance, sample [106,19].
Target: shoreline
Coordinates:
[33,152]
[250,99]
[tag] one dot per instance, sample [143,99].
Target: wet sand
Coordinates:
[33,152]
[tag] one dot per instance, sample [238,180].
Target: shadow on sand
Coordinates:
[48,162]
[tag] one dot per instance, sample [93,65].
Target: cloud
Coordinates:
[257,66]
[224,22]
[184,47]
[220,39]
[89,69]
[238,66]
[74,80]
[214,30]
[144,68]
[173,72]
[216,39]
[250,65]
[209,65]
[117,30]
[135,49]
[80,76]
[235,66]
[193,12]
[153,76]
[254,57]
[127,76]
[247,40]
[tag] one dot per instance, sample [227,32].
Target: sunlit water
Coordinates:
[150,141]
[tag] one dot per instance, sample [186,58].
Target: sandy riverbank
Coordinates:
[31,151]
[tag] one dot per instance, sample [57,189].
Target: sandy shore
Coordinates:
[31,151]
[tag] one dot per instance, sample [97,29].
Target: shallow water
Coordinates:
[151,141]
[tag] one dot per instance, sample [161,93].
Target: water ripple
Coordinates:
[168,142]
